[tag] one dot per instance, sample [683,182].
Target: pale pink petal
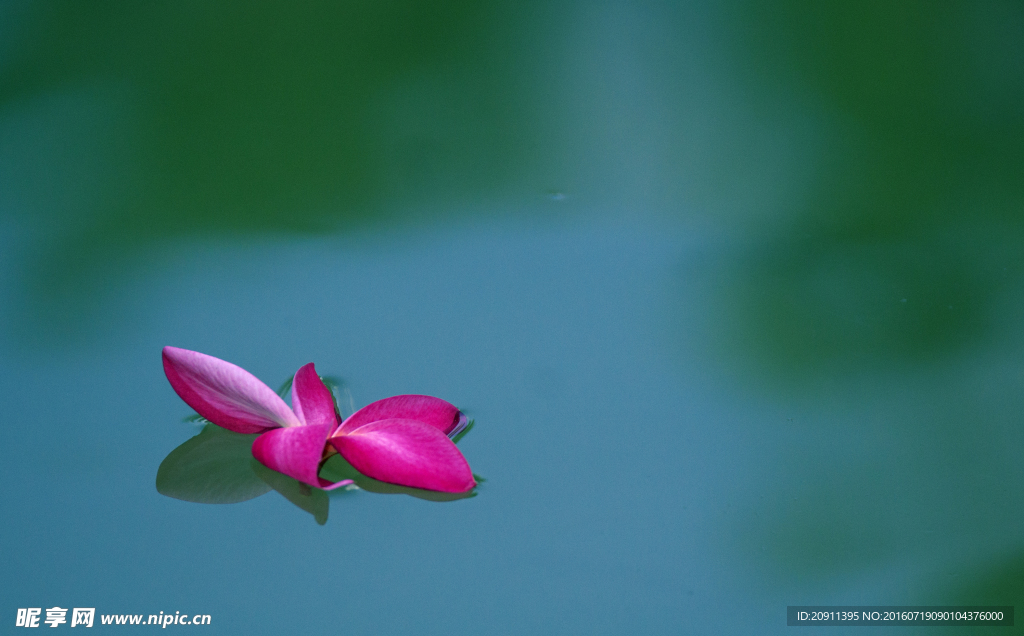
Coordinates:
[408,453]
[311,400]
[422,408]
[225,394]
[296,452]
[338,484]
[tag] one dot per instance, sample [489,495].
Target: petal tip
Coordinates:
[312,401]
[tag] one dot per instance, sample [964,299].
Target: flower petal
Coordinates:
[422,408]
[311,400]
[407,453]
[225,394]
[296,452]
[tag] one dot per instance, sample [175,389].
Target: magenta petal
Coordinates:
[407,453]
[295,451]
[311,400]
[225,394]
[422,408]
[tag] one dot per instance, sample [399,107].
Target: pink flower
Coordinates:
[401,440]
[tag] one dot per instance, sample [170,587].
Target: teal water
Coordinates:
[732,295]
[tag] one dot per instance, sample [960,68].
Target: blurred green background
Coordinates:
[820,208]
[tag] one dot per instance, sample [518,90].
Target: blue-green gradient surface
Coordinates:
[733,292]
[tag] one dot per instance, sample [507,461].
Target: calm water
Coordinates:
[733,296]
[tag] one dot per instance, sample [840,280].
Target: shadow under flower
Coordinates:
[217,467]
[336,468]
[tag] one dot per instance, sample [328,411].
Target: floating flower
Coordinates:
[403,440]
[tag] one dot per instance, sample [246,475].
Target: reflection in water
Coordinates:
[312,500]
[216,466]
[212,467]
[337,468]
